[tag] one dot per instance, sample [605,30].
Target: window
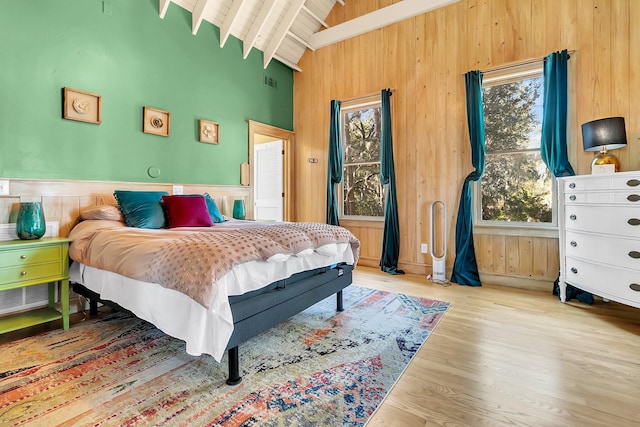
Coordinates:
[363,195]
[516,188]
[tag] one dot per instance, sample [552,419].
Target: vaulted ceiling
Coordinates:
[285,29]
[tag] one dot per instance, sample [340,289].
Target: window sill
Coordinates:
[369,223]
[506,230]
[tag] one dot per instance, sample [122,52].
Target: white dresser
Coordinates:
[599,231]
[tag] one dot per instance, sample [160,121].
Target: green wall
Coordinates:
[122,50]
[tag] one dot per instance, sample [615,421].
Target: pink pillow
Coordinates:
[186,211]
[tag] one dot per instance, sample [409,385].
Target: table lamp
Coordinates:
[603,135]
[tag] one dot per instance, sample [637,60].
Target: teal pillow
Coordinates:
[215,214]
[141,209]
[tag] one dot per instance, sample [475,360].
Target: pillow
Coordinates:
[108,212]
[186,211]
[141,209]
[214,212]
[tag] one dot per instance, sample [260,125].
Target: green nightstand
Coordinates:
[35,262]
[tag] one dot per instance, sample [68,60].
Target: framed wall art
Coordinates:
[82,106]
[209,132]
[155,121]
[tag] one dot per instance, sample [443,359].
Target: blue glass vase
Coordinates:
[238,209]
[30,224]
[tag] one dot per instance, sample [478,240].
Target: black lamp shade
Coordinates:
[608,134]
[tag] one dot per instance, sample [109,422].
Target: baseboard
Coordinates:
[543,284]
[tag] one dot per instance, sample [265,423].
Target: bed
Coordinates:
[174,279]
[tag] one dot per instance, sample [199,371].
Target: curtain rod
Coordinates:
[519,64]
[371,95]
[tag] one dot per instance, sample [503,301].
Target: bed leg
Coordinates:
[234,367]
[93,307]
[339,301]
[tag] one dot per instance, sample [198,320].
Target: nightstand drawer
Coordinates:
[29,256]
[30,272]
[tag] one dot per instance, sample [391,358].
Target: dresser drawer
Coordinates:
[619,220]
[28,256]
[618,284]
[616,251]
[573,185]
[601,182]
[30,272]
[629,198]
[583,198]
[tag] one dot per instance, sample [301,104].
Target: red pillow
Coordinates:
[186,211]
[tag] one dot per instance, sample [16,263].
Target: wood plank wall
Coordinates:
[63,201]
[424,60]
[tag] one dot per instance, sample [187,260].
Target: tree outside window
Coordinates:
[516,188]
[363,194]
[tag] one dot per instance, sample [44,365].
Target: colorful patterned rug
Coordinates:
[319,368]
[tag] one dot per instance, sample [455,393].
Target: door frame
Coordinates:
[288,139]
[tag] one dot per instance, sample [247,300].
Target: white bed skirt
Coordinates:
[204,331]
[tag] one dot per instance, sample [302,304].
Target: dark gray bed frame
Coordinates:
[257,311]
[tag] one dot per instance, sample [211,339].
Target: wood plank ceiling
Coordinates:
[285,29]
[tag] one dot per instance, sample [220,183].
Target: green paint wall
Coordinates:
[132,58]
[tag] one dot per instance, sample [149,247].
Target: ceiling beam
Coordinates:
[314,16]
[372,21]
[229,20]
[197,15]
[163,5]
[288,63]
[299,40]
[281,30]
[257,26]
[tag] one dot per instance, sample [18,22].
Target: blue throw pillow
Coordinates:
[141,209]
[214,212]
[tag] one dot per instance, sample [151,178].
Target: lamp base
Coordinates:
[606,158]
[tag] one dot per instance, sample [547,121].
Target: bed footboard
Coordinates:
[255,315]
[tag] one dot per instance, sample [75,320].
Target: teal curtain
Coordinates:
[553,144]
[334,175]
[465,266]
[391,233]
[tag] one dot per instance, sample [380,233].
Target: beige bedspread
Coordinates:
[190,260]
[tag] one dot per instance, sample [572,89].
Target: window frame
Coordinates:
[346,107]
[500,77]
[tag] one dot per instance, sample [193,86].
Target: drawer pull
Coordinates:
[635,287]
[573,217]
[633,183]
[634,254]
[633,197]
[574,270]
[573,243]
[23,257]
[573,185]
[572,197]
[633,221]
[23,273]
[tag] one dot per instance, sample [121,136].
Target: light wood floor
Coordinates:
[508,357]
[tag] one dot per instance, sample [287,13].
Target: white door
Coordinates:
[268,185]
